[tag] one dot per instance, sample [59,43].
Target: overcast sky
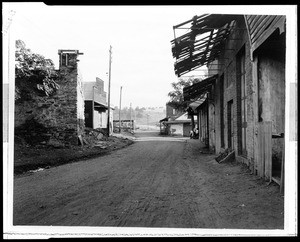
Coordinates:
[140,37]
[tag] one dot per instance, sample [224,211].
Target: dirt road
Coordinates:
[156,182]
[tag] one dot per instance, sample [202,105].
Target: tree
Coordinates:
[176,96]
[33,73]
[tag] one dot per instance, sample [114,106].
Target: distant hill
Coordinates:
[143,115]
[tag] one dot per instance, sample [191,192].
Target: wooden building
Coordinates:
[95,102]
[181,125]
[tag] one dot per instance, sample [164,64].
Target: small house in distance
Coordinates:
[176,122]
[182,125]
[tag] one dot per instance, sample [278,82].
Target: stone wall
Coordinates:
[265,89]
[61,115]
[227,63]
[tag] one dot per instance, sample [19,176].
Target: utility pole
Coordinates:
[93,108]
[148,121]
[120,110]
[131,125]
[109,76]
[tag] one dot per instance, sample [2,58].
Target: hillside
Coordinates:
[142,116]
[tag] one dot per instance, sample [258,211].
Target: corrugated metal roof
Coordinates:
[202,44]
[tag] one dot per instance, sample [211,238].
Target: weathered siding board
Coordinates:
[250,18]
[255,109]
[262,26]
[256,22]
[268,149]
[265,29]
[261,151]
[260,29]
[264,147]
[282,171]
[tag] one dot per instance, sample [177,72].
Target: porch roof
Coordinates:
[203,43]
[194,105]
[99,106]
[179,121]
[195,91]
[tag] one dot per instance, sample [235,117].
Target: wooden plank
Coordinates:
[259,20]
[257,17]
[262,142]
[282,170]
[255,107]
[268,150]
[261,151]
[260,28]
[268,32]
[250,18]
[258,149]
[257,32]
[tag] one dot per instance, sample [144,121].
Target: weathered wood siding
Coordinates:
[262,26]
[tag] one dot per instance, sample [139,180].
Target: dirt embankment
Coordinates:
[28,158]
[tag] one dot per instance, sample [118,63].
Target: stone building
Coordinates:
[240,106]
[57,119]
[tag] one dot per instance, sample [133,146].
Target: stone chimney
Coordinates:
[68,58]
[70,121]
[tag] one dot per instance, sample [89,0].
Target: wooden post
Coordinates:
[130,120]
[109,77]
[93,107]
[120,110]
[193,121]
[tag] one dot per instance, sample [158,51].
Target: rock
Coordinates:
[100,136]
[55,143]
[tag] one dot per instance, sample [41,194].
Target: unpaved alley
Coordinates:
[156,182]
